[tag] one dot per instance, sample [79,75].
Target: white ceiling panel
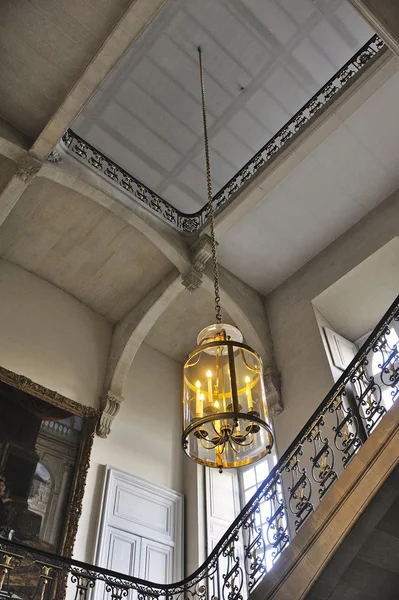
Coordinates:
[346,176]
[263,60]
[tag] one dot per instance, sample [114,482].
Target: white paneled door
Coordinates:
[156,562]
[140,529]
[222,503]
[123,553]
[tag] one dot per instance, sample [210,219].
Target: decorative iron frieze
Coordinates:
[129,184]
[192,223]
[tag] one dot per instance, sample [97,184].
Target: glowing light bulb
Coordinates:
[198,403]
[210,397]
[216,404]
[249,394]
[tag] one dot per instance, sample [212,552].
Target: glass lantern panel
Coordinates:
[225,406]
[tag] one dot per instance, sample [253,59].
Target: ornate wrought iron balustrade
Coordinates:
[191,223]
[280,507]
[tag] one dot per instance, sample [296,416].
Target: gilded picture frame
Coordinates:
[90,417]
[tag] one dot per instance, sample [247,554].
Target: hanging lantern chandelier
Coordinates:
[224,402]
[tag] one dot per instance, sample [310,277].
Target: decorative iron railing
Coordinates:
[279,508]
[191,223]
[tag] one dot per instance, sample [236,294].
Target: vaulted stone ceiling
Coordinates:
[81,247]
[93,252]
[45,46]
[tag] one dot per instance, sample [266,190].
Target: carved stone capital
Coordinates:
[54,157]
[201,252]
[192,279]
[109,407]
[28,168]
[271,378]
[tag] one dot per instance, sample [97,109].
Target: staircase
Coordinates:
[285,536]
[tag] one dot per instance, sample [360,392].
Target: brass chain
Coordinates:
[211,212]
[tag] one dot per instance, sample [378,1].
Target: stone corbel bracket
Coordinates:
[55,156]
[271,378]
[28,168]
[200,253]
[109,407]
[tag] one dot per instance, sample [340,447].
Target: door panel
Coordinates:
[156,562]
[124,552]
[141,528]
[342,351]
[222,503]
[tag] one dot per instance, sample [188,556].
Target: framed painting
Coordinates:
[45,445]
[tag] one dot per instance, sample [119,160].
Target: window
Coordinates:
[376,362]
[250,479]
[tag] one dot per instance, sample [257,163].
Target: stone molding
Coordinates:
[271,378]
[27,169]
[375,13]
[200,253]
[191,279]
[109,407]
[54,157]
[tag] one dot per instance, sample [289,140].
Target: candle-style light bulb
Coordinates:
[201,407]
[219,458]
[217,423]
[209,378]
[249,394]
[198,399]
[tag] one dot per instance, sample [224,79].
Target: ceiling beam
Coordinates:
[13,143]
[383,16]
[134,21]
[127,337]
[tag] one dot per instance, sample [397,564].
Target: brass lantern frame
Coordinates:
[235,415]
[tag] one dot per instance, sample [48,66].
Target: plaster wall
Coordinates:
[300,354]
[50,337]
[144,441]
